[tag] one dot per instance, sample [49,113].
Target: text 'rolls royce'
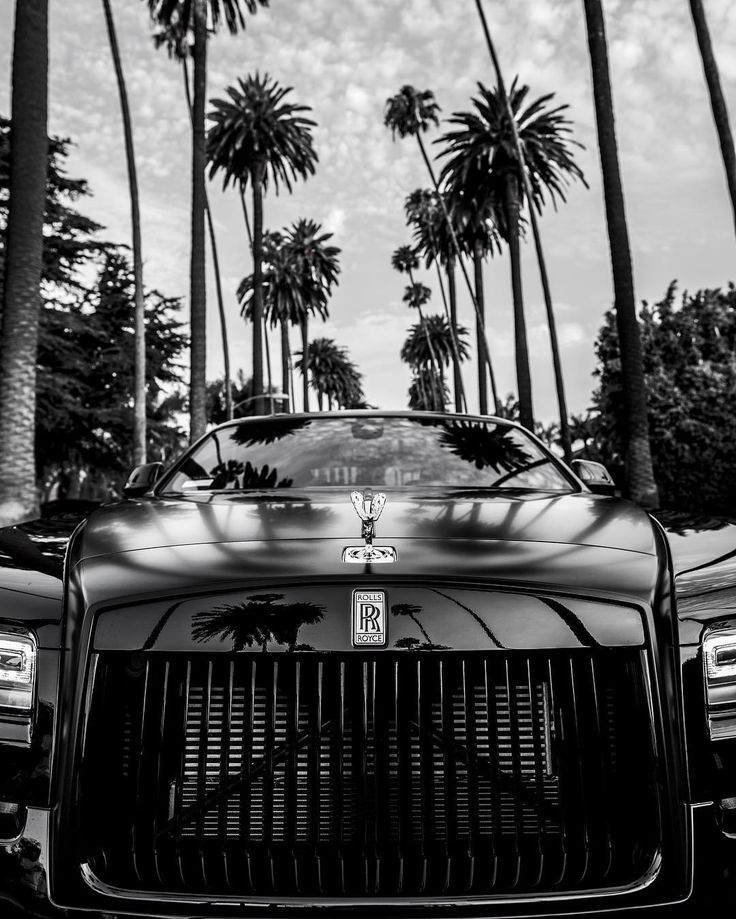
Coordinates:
[369,661]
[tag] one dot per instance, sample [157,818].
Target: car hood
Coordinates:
[577,519]
[174,545]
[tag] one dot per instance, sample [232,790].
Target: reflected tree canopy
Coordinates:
[484,446]
[258,621]
[408,642]
[374,450]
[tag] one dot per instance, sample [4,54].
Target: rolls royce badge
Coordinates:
[368,507]
[369,618]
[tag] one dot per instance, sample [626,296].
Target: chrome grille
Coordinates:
[390,774]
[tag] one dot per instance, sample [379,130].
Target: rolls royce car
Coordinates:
[366,663]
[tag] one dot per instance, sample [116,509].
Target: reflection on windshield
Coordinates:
[375,451]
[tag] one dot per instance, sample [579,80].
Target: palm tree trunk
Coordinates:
[139,358]
[23,262]
[292,385]
[717,100]
[523,375]
[285,365]
[460,403]
[269,376]
[198,290]
[458,256]
[479,329]
[451,316]
[305,358]
[559,381]
[247,221]
[258,289]
[216,268]
[432,355]
[565,438]
[221,310]
[639,471]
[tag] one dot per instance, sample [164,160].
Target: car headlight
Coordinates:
[719,671]
[17,672]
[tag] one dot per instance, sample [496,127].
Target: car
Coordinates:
[366,663]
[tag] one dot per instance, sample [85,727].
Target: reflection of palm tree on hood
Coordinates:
[409,641]
[411,610]
[260,620]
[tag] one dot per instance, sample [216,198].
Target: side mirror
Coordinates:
[142,479]
[595,475]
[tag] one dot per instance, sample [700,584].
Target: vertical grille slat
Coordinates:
[540,765]
[315,771]
[390,774]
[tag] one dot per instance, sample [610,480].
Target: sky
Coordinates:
[344,58]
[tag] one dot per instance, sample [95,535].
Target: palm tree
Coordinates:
[334,376]
[432,240]
[416,295]
[192,15]
[299,273]
[717,100]
[565,437]
[479,238]
[424,342]
[257,138]
[426,392]
[139,360]
[316,267]
[482,164]
[21,302]
[431,344]
[278,286]
[405,261]
[177,42]
[639,472]
[410,113]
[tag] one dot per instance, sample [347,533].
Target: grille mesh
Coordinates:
[391,774]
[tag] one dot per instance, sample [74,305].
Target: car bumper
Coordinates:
[711,881]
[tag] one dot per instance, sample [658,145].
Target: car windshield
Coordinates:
[367,452]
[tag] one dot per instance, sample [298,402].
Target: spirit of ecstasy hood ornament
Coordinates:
[368,506]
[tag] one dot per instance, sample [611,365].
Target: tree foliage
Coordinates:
[85,373]
[334,376]
[84,408]
[690,373]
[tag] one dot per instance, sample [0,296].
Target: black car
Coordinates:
[367,663]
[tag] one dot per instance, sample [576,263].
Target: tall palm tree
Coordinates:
[431,344]
[476,219]
[717,99]
[139,359]
[334,376]
[316,268]
[278,287]
[300,270]
[432,240]
[639,472]
[406,261]
[192,15]
[178,44]
[426,391]
[21,301]
[565,437]
[482,164]
[257,138]
[410,113]
[417,295]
